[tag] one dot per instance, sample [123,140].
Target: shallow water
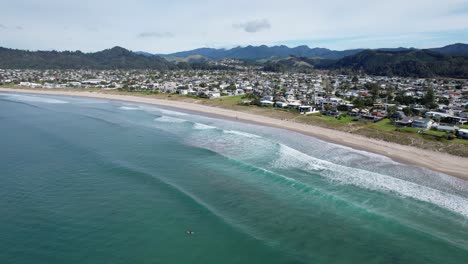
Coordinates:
[92,181]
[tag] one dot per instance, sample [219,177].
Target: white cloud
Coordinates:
[254,25]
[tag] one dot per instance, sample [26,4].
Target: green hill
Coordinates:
[115,58]
[407,63]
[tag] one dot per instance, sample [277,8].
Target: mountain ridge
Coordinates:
[264,52]
[406,62]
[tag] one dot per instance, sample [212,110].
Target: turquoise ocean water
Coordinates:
[95,181]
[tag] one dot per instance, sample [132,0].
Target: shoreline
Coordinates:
[436,161]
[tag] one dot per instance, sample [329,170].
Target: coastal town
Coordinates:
[437,106]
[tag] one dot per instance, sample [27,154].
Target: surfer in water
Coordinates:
[189,232]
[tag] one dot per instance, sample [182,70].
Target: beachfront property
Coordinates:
[405,101]
[462,133]
[423,123]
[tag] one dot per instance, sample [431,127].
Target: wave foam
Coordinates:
[291,158]
[168,119]
[28,98]
[169,112]
[239,133]
[199,126]
[129,108]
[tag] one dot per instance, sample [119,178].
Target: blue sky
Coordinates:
[168,26]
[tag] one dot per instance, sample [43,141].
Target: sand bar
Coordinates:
[441,162]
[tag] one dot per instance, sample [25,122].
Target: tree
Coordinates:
[390,91]
[407,111]
[231,87]
[374,89]
[444,101]
[391,110]
[346,86]
[355,79]
[361,102]
[429,99]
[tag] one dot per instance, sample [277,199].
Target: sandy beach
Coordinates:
[441,162]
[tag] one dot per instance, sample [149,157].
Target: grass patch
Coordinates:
[408,129]
[435,133]
[339,120]
[461,141]
[383,125]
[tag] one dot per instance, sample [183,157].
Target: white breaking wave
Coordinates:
[149,108]
[291,158]
[129,108]
[199,126]
[168,119]
[28,98]
[160,110]
[239,133]
[169,112]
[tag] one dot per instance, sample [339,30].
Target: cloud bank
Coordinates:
[161,26]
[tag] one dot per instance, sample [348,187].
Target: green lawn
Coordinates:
[383,125]
[340,120]
[225,101]
[435,133]
[409,129]
[230,99]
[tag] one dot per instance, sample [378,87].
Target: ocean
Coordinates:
[99,181]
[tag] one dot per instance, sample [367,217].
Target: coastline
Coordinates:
[436,161]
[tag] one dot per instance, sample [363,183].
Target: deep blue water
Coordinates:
[94,181]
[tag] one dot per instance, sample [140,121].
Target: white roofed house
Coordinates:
[281,104]
[294,104]
[183,91]
[214,94]
[74,84]
[266,103]
[423,123]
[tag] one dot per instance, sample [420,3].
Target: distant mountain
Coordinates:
[213,54]
[280,52]
[454,49]
[406,63]
[263,53]
[389,62]
[395,49]
[115,58]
